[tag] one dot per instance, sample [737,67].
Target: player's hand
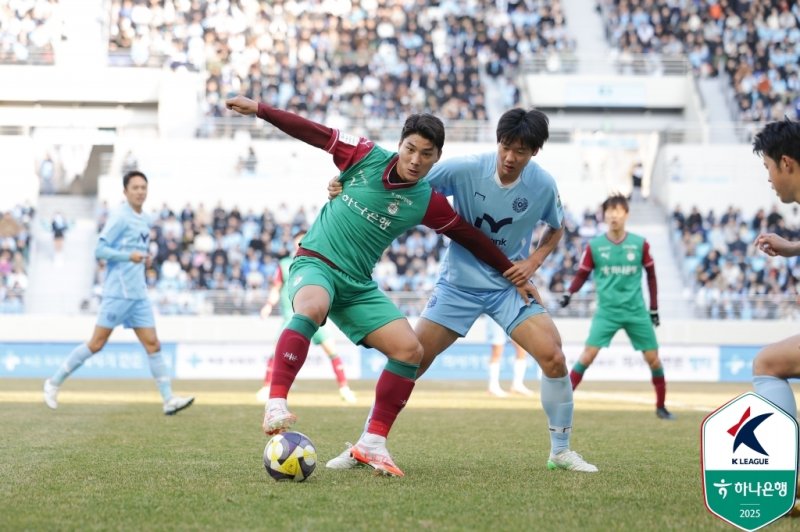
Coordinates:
[565,299]
[521,271]
[529,291]
[516,275]
[136,256]
[242,105]
[334,187]
[654,318]
[266,310]
[774,245]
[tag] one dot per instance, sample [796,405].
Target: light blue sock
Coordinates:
[75,360]
[776,390]
[558,405]
[160,373]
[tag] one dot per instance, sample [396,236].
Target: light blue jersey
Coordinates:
[507,214]
[126,231]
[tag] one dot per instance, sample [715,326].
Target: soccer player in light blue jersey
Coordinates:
[504,194]
[123,244]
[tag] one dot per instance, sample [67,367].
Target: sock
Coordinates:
[520,365]
[391,394]
[160,372]
[494,375]
[660,385]
[290,354]
[576,375]
[776,390]
[270,369]
[338,370]
[75,360]
[558,405]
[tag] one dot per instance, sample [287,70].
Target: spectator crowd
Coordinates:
[15,239]
[727,277]
[756,45]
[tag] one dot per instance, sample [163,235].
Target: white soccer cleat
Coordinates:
[571,461]
[521,389]
[347,394]
[497,391]
[277,419]
[262,396]
[50,394]
[175,404]
[377,457]
[344,460]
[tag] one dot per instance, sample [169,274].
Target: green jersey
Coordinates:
[618,272]
[354,229]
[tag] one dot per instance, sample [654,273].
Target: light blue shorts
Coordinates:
[132,313]
[458,308]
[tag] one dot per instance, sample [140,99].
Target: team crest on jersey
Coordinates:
[520,204]
[393,207]
[297,280]
[631,256]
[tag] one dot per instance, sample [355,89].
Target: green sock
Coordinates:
[578,368]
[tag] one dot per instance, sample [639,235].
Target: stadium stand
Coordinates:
[729,278]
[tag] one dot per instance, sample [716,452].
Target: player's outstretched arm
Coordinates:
[774,245]
[308,131]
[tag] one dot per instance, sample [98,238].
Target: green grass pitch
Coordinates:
[107,459]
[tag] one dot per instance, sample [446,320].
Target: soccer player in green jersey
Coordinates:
[617,258]
[778,144]
[279,293]
[331,276]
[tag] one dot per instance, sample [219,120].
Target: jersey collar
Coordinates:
[388,184]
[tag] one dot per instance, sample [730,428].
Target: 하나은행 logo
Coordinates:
[749,461]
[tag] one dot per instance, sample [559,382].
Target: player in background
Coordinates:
[123,244]
[498,338]
[778,144]
[617,258]
[331,276]
[506,194]
[279,292]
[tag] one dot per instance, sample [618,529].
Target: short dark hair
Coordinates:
[426,126]
[615,200]
[130,175]
[777,139]
[530,127]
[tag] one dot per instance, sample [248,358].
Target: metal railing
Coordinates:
[249,303]
[616,63]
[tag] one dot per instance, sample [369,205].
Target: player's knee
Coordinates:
[766,364]
[410,352]
[152,347]
[554,365]
[95,345]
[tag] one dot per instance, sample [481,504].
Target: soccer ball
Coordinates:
[290,456]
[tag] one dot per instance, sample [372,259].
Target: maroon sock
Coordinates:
[270,368]
[338,369]
[391,394]
[661,390]
[290,355]
[575,378]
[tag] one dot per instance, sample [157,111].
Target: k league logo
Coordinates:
[749,458]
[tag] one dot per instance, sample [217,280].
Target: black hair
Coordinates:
[130,175]
[615,200]
[777,139]
[426,126]
[530,127]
